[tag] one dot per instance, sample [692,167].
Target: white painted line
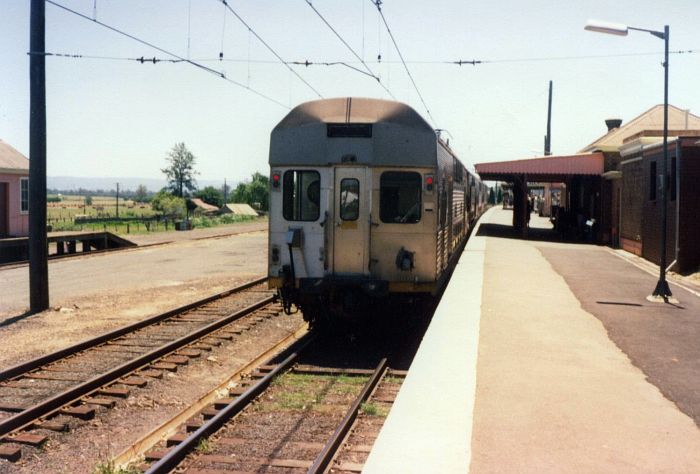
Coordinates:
[628,257]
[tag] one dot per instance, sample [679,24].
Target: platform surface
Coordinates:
[546,357]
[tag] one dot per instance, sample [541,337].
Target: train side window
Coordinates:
[349,199]
[301,195]
[400,197]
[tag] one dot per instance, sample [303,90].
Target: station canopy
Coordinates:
[546,169]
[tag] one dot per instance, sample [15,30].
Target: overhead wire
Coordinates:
[164,51]
[378,4]
[459,62]
[369,72]
[269,48]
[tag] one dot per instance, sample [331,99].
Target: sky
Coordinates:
[119,118]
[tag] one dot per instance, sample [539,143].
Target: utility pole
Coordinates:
[38,245]
[225,192]
[548,137]
[117,200]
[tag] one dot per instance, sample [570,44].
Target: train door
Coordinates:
[351,221]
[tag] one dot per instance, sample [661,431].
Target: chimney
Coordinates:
[613,124]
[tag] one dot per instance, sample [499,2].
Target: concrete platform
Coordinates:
[545,356]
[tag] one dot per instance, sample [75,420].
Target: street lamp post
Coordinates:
[662,290]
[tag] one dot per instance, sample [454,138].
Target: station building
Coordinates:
[615,184]
[14,192]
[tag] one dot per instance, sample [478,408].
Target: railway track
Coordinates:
[288,415]
[41,394]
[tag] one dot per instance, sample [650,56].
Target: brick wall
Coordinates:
[631,210]
[652,220]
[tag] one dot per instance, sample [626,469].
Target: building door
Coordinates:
[4,210]
[351,221]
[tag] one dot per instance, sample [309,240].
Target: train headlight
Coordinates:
[276,180]
[429,182]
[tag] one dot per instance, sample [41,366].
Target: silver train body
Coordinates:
[365,202]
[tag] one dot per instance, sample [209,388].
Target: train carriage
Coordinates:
[366,201]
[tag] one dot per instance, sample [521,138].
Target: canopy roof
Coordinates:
[552,169]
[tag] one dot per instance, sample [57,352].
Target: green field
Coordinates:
[71,206]
[61,216]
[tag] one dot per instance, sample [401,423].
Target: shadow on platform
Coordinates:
[533,233]
[15,319]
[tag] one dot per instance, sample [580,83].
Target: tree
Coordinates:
[492,196]
[180,172]
[211,195]
[499,195]
[88,200]
[240,194]
[141,194]
[256,193]
[170,206]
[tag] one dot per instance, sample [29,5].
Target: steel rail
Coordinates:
[139,448]
[30,415]
[329,450]
[178,453]
[24,367]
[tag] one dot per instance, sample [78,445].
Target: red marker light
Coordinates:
[429,183]
[276,180]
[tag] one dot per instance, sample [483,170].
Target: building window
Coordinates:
[301,195]
[24,195]
[652,181]
[349,199]
[400,197]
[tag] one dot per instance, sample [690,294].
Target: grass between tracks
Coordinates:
[310,392]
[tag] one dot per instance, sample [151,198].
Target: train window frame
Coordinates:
[343,205]
[301,195]
[393,189]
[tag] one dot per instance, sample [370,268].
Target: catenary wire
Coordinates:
[269,48]
[164,51]
[459,62]
[378,4]
[335,32]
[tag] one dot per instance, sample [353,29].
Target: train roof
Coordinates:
[354,110]
[394,134]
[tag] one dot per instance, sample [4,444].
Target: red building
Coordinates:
[14,192]
[640,209]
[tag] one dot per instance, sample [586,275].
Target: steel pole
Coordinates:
[38,246]
[662,289]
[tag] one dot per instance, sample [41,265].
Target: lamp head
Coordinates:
[606,27]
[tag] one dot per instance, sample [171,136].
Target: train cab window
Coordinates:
[301,195]
[349,199]
[400,197]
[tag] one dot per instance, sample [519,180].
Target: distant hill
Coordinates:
[67,183]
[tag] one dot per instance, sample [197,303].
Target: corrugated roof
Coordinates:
[241,209]
[544,168]
[12,161]
[203,205]
[652,119]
